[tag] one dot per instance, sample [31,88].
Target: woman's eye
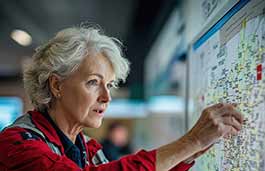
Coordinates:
[110,86]
[92,82]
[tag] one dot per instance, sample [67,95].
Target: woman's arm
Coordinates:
[172,154]
[33,154]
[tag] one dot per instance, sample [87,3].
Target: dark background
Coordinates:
[136,23]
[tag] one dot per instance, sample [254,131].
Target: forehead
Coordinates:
[97,64]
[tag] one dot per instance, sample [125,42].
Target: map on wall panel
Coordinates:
[227,64]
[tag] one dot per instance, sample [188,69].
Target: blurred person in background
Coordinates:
[68,82]
[116,143]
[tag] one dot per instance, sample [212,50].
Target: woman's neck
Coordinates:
[65,124]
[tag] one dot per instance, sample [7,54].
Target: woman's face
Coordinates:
[85,94]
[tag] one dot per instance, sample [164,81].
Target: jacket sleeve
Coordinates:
[31,155]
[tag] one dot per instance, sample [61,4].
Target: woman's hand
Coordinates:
[220,120]
[215,122]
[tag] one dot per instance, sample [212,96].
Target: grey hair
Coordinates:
[63,54]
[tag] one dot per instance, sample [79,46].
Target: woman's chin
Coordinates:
[95,124]
[98,125]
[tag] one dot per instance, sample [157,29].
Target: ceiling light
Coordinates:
[21,37]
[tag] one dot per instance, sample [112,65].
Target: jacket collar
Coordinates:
[46,128]
[38,119]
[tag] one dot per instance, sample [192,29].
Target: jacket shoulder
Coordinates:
[19,147]
[13,137]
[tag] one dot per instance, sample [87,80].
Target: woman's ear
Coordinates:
[55,85]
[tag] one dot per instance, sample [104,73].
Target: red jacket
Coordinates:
[20,154]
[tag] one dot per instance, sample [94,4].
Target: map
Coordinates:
[230,67]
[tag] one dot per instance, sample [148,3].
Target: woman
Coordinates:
[69,82]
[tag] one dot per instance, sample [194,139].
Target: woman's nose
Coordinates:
[104,96]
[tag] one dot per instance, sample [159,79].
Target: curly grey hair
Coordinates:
[63,54]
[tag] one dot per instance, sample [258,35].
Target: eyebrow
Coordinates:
[95,74]
[100,76]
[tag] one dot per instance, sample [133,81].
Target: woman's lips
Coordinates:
[99,111]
